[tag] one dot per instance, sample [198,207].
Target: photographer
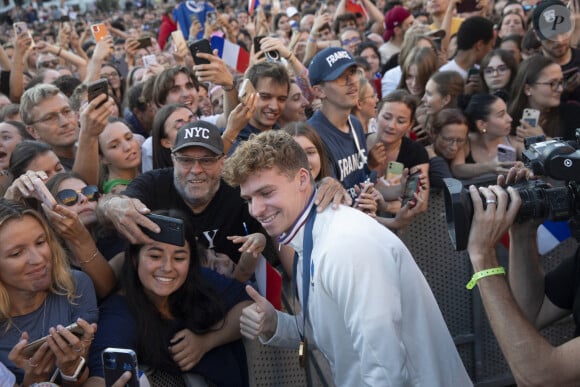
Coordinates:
[535,300]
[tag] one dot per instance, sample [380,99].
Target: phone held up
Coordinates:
[411,188]
[271,56]
[531,116]
[117,361]
[97,88]
[202,45]
[246,89]
[394,171]
[43,192]
[172,231]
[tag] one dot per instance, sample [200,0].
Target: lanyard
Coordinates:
[306,273]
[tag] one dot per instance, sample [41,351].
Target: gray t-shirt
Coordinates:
[58,310]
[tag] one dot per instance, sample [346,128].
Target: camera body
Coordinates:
[556,159]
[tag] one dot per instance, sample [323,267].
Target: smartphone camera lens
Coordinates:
[110,362]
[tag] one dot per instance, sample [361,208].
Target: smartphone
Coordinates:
[271,56]
[411,187]
[118,360]
[472,71]
[394,170]
[245,90]
[531,116]
[201,45]
[31,348]
[43,192]
[172,231]
[20,27]
[144,42]
[506,153]
[149,60]
[178,39]
[97,88]
[211,17]
[99,32]
[466,6]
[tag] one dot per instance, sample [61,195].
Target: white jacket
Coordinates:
[372,312]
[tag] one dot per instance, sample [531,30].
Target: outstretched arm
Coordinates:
[533,361]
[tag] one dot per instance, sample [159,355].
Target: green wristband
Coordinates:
[482,274]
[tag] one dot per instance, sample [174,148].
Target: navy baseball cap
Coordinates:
[329,64]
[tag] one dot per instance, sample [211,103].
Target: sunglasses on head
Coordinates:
[70,197]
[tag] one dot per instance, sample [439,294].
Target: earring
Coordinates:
[484,130]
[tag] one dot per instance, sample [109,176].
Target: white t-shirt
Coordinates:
[453,66]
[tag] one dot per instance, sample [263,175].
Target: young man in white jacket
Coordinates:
[369,308]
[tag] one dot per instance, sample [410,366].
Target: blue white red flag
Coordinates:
[269,282]
[252,5]
[551,234]
[232,54]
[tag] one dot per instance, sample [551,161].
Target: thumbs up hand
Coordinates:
[259,319]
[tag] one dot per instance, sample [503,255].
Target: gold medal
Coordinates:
[302,352]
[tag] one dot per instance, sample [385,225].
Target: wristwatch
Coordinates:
[75,376]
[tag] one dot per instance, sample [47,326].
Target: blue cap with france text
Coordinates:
[329,64]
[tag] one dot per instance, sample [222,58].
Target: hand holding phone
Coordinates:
[43,193]
[97,88]
[172,231]
[201,45]
[149,60]
[116,361]
[144,42]
[99,31]
[246,89]
[411,188]
[394,172]
[29,350]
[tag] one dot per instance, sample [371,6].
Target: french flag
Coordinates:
[252,5]
[232,54]
[550,234]
[269,282]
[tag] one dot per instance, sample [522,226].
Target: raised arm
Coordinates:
[532,360]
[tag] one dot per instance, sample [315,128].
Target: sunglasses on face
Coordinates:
[70,197]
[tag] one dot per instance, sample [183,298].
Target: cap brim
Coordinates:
[201,144]
[337,72]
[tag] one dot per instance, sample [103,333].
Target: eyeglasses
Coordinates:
[354,40]
[554,85]
[52,118]
[352,74]
[189,162]
[49,64]
[451,140]
[501,69]
[70,197]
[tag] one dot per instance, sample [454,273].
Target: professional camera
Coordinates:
[557,159]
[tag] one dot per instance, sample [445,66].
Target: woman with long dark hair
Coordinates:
[182,320]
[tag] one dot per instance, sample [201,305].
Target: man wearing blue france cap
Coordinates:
[335,80]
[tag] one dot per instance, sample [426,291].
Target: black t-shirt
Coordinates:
[224,216]
[562,286]
[412,153]
[568,70]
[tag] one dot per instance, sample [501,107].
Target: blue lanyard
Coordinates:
[306,267]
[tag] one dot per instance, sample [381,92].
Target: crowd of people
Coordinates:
[302,158]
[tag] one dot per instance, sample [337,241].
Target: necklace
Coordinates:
[43,319]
